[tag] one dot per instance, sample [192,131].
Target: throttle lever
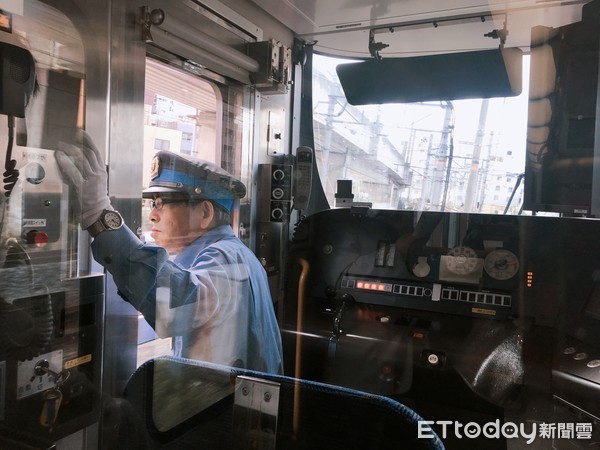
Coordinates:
[348,302]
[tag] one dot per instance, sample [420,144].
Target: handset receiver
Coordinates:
[303,177]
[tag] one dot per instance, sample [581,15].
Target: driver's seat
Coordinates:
[179,403]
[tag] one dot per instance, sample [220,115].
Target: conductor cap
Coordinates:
[196,178]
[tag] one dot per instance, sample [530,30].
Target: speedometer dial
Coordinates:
[462,260]
[501,264]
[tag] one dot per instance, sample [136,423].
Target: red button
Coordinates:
[39,238]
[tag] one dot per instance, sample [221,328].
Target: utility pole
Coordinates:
[473,173]
[426,189]
[442,161]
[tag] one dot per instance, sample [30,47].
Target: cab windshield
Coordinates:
[456,156]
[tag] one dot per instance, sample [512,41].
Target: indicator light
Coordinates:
[529,279]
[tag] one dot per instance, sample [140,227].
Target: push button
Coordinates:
[38,238]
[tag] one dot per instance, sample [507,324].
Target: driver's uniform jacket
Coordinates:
[213,298]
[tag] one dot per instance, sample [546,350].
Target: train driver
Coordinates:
[199,284]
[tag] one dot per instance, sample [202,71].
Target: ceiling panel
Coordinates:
[341,27]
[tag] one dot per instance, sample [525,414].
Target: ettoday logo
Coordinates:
[508,430]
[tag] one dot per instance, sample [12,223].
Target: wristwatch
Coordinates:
[109,220]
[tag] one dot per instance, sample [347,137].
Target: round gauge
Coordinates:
[34,173]
[501,264]
[422,268]
[462,260]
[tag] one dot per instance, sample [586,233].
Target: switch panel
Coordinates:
[275,192]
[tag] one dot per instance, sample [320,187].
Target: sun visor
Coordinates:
[451,76]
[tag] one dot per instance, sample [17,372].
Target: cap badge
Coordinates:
[155,168]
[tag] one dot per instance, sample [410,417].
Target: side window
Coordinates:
[182,113]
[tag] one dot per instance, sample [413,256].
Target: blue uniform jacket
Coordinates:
[214,295]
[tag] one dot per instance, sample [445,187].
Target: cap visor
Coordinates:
[148,193]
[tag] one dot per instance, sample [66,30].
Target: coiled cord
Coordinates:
[11,173]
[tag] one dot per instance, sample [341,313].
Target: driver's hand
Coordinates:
[83,168]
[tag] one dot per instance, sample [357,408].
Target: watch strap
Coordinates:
[97,227]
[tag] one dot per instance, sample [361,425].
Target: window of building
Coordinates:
[162,144]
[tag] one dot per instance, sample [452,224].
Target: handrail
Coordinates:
[300,312]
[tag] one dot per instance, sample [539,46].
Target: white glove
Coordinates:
[83,168]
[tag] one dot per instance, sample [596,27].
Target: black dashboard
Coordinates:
[467,313]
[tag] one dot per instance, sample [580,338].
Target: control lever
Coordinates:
[42,367]
[348,302]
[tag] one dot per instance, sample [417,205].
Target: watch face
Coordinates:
[112,219]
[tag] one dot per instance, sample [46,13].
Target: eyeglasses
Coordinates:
[159,202]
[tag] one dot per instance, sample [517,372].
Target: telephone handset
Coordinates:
[17,77]
[17,85]
[303,177]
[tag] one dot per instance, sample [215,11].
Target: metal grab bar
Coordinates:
[302,280]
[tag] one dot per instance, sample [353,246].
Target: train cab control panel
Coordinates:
[418,305]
